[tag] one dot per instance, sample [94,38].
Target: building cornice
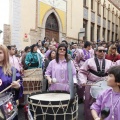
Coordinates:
[114,4]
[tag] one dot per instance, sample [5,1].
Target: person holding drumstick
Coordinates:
[6,72]
[93,70]
[110,98]
[57,72]
[81,56]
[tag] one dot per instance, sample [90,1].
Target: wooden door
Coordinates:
[52,29]
[52,34]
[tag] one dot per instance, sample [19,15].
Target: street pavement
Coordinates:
[80,113]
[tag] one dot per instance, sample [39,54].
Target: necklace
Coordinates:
[113,105]
[62,69]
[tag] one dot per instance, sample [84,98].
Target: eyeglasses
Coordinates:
[114,48]
[62,49]
[101,50]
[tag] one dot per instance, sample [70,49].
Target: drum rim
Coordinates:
[53,91]
[46,92]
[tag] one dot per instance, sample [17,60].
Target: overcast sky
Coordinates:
[4,15]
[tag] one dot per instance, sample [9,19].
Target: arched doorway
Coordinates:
[52,27]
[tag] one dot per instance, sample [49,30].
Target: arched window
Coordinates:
[52,23]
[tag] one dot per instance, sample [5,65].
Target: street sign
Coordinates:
[81,35]
[82,30]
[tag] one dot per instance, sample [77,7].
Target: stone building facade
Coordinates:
[32,20]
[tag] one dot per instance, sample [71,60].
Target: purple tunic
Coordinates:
[81,56]
[60,72]
[104,100]
[85,76]
[7,80]
[47,53]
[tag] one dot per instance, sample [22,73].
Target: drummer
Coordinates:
[6,75]
[57,70]
[93,70]
[110,98]
[81,56]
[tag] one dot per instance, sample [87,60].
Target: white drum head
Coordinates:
[98,88]
[51,97]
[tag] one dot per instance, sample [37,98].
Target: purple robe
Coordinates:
[81,56]
[92,52]
[7,80]
[47,53]
[85,76]
[60,72]
[104,100]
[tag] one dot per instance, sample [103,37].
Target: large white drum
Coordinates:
[98,88]
[53,106]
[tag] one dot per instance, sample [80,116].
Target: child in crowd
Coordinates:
[110,98]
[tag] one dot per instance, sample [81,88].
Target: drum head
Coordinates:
[98,88]
[51,97]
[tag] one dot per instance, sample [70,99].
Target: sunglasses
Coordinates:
[101,51]
[114,48]
[62,49]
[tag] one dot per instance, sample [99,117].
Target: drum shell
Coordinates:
[4,99]
[32,85]
[32,80]
[34,73]
[48,109]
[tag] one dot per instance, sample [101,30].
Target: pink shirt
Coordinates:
[15,62]
[85,75]
[59,71]
[81,58]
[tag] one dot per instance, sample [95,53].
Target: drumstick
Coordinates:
[7,88]
[92,85]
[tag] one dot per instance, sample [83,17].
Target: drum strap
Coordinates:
[13,78]
[71,84]
[98,66]
[99,72]
[14,74]
[38,58]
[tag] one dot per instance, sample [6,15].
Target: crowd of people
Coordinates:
[90,62]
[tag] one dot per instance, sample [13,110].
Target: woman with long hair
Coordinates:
[51,57]
[57,70]
[112,54]
[6,75]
